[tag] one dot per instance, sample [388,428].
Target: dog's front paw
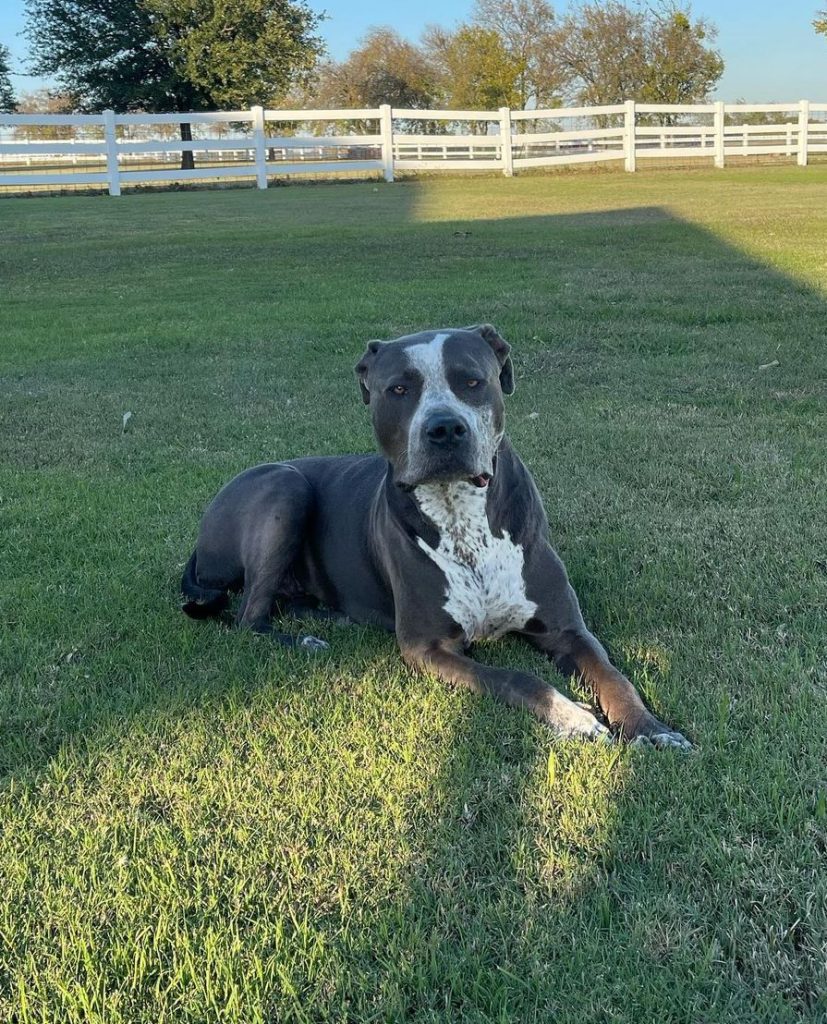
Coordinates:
[650,732]
[576,722]
[668,739]
[313,644]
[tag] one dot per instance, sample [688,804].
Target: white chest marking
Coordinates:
[484,585]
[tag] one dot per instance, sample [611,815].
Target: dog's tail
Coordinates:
[203,602]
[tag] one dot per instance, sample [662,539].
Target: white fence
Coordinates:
[112,150]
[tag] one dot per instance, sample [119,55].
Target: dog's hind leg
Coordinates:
[201,601]
[269,552]
[255,613]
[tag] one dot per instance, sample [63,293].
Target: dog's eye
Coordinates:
[473,383]
[398,389]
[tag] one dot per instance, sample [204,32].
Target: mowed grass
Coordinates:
[196,826]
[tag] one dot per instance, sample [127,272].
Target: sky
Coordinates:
[769,47]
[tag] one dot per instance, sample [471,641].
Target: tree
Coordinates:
[384,68]
[173,55]
[528,27]
[474,67]
[820,23]
[43,101]
[657,55]
[7,101]
[238,52]
[680,67]
[603,48]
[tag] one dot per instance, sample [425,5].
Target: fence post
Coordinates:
[112,170]
[720,155]
[257,113]
[803,129]
[630,140]
[506,152]
[386,131]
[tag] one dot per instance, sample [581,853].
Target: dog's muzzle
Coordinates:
[445,430]
[447,448]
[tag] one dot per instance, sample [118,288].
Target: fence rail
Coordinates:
[114,149]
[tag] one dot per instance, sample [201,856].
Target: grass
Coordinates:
[198,827]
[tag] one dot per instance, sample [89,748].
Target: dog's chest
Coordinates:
[484,585]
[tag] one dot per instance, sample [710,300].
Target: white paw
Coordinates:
[577,722]
[314,644]
[668,740]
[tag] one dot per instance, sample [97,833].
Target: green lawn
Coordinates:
[196,826]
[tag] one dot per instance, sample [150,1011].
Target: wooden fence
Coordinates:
[110,150]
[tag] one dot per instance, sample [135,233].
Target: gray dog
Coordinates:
[442,538]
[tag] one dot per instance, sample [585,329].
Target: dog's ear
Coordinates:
[363,367]
[502,350]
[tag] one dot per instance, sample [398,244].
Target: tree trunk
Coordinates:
[187,158]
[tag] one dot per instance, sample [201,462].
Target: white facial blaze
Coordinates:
[484,586]
[428,358]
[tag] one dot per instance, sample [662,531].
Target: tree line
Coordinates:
[180,55]
[520,54]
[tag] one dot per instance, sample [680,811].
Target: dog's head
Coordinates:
[436,400]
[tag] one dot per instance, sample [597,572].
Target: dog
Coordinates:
[442,538]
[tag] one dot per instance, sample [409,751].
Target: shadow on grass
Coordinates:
[543,882]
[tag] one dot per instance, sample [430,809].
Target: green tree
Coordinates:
[656,55]
[7,101]
[475,68]
[820,23]
[603,48]
[173,55]
[680,65]
[384,68]
[528,27]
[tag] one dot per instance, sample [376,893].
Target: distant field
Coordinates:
[65,168]
[243,180]
[196,826]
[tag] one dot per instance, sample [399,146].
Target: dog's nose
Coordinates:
[445,429]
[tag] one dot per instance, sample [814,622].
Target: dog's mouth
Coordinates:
[446,469]
[481,479]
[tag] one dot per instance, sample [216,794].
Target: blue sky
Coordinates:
[769,46]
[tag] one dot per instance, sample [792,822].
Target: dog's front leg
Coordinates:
[518,689]
[578,652]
